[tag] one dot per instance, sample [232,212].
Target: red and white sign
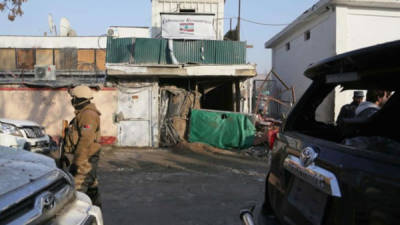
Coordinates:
[186,28]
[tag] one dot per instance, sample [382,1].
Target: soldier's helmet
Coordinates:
[81,92]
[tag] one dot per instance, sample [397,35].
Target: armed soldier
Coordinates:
[82,142]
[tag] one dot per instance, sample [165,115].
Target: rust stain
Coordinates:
[66,59]
[86,60]
[25,59]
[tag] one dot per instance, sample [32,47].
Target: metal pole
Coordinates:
[238,26]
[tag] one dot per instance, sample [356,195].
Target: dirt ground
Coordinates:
[177,186]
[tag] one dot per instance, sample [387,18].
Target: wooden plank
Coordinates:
[101,59]
[66,59]
[7,59]
[44,56]
[86,60]
[25,59]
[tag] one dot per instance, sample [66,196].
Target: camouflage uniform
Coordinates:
[82,141]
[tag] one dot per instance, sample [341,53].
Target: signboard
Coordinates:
[188,26]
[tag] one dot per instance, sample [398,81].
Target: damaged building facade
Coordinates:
[184,66]
[156,93]
[146,87]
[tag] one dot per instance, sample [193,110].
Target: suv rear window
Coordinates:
[316,115]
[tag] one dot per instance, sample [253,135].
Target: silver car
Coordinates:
[34,191]
[24,134]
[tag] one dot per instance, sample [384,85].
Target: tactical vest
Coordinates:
[73,133]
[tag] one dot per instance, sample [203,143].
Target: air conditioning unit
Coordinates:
[45,72]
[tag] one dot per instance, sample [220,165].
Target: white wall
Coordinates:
[344,29]
[362,27]
[201,6]
[53,42]
[291,64]
[125,32]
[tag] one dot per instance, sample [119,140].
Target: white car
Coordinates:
[34,191]
[24,134]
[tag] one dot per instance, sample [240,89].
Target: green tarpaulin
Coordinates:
[221,129]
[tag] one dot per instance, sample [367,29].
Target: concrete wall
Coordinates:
[125,32]
[361,27]
[49,107]
[201,6]
[290,64]
[53,42]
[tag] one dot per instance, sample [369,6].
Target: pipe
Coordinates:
[171,51]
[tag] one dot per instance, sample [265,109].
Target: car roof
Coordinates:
[374,60]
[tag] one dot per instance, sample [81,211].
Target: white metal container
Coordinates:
[215,7]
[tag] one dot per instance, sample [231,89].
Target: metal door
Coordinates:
[135,110]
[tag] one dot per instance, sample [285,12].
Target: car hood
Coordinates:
[20,123]
[19,167]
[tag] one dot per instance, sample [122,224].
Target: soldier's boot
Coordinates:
[94,194]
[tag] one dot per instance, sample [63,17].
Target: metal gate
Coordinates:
[136,110]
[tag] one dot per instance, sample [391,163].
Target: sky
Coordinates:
[92,17]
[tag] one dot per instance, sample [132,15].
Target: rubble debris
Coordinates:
[174,111]
[260,151]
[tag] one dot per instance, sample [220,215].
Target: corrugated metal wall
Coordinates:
[70,59]
[230,52]
[148,50]
[119,50]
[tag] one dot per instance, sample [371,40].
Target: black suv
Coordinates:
[345,173]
